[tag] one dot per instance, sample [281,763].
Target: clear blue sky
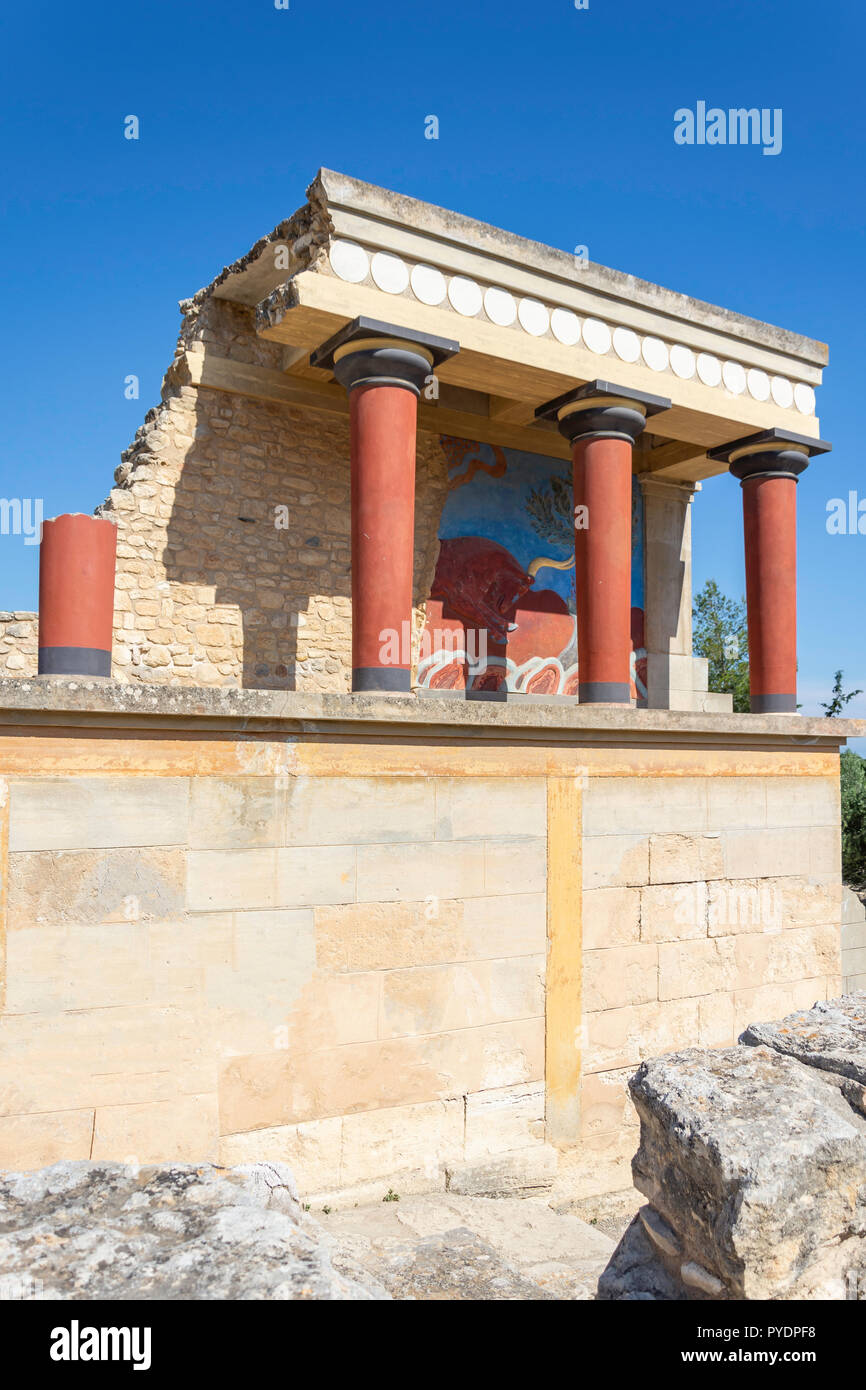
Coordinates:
[554,123]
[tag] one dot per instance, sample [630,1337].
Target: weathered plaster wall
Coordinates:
[210,589]
[371,956]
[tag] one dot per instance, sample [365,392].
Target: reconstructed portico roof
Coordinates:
[532,323]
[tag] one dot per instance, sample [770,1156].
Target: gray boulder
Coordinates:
[830,1036]
[165,1231]
[755,1170]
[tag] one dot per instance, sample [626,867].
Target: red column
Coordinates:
[383,430]
[76,595]
[602,554]
[384,369]
[770,531]
[768,465]
[602,421]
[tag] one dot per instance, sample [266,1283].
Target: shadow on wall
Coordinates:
[234,557]
[260,516]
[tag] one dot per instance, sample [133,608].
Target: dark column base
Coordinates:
[773,704]
[74,661]
[387,680]
[604,693]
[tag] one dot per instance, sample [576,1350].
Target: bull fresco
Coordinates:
[501,614]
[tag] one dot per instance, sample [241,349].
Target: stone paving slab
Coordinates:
[440,1246]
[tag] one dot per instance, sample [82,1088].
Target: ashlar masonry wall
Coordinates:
[391,952]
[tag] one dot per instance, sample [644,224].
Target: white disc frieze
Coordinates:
[428,284]
[465,296]
[389,273]
[349,261]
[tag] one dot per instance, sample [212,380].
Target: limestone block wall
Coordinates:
[853,941]
[18,643]
[709,902]
[392,955]
[233,555]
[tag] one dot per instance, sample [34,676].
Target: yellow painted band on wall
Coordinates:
[563,1000]
[58,752]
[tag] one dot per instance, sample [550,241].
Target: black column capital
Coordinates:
[774,453]
[368,352]
[602,410]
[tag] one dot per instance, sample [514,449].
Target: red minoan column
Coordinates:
[768,466]
[76,595]
[602,422]
[384,369]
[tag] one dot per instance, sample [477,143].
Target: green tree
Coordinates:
[838,700]
[853,817]
[721,635]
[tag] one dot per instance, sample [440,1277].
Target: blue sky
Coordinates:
[554,123]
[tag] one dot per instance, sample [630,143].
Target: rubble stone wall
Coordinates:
[234,530]
[18,643]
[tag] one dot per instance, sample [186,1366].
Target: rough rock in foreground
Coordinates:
[754,1162]
[169,1231]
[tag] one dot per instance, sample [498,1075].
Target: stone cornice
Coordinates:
[105,704]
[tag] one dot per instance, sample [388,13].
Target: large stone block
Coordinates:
[57,813]
[446,869]
[313,1151]
[181,1130]
[501,1120]
[359,810]
[605,1103]
[526,1173]
[769,853]
[267,878]
[613,861]
[92,886]
[619,976]
[771,1001]
[803,801]
[101,1231]
[276,1088]
[775,958]
[630,805]
[490,807]
[673,911]
[831,1036]
[762,905]
[690,968]
[53,969]
[380,1144]
[755,1170]
[104,1056]
[32,1141]
[441,998]
[736,803]
[685,858]
[388,936]
[236,812]
[624,1037]
[515,866]
[611,917]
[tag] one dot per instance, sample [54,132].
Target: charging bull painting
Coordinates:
[501,614]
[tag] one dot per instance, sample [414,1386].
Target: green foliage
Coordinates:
[721,635]
[838,700]
[853,817]
[551,513]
